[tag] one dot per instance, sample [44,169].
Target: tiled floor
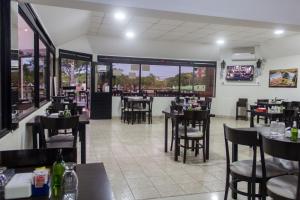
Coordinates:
[138,167]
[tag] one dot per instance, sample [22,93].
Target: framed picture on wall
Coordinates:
[286,78]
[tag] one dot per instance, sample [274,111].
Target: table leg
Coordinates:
[177,140]
[207,140]
[34,137]
[266,120]
[234,158]
[252,119]
[166,133]
[82,136]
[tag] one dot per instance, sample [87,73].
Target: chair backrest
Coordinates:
[290,115]
[242,102]
[287,104]
[56,107]
[241,136]
[196,115]
[59,123]
[262,101]
[35,157]
[295,104]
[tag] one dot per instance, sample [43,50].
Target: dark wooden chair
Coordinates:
[289,115]
[56,107]
[147,110]
[285,187]
[195,134]
[58,136]
[28,158]
[241,103]
[295,105]
[250,171]
[287,104]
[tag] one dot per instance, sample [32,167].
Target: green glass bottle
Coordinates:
[294,132]
[57,173]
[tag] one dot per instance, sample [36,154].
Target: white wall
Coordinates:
[280,53]
[20,138]
[152,49]
[227,93]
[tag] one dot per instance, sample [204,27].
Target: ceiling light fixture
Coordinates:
[279,32]
[220,41]
[130,34]
[120,16]
[25,29]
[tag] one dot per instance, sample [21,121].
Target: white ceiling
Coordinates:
[67,24]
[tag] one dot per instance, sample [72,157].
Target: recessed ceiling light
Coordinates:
[120,16]
[220,41]
[279,32]
[25,29]
[130,34]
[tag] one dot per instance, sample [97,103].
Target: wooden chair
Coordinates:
[241,103]
[58,136]
[194,134]
[35,157]
[250,171]
[285,187]
[289,115]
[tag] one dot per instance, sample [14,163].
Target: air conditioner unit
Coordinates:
[243,54]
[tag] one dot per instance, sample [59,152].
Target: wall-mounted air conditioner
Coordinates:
[243,54]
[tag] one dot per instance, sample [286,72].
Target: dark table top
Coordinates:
[83,119]
[93,183]
[170,113]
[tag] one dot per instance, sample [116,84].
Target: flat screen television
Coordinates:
[240,73]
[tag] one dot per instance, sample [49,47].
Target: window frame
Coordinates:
[169,62]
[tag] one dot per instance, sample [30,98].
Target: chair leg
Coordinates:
[203,151]
[226,185]
[253,190]
[249,190]
[172,139]
[185,147]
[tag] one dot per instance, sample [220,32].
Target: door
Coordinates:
[101,91]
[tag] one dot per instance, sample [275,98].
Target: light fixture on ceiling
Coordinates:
[130,34]
[25,29]
[279,32]
[119,15]
[220,41]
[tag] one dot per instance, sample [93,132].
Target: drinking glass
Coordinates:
[69,182]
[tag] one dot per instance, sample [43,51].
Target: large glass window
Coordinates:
[160,80]
[74,73]
[125,78]
[23,70]
[42,71]
[204,81]
[186,79]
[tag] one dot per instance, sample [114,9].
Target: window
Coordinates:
[160,80]
[161,77]
[204,81]
[186,79]
[74,73]
[42,71]
[125,78]
[22,72]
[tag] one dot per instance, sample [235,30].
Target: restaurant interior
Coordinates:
[137,100]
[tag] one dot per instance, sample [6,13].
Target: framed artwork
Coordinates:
[286,78]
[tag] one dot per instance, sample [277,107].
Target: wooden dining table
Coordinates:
[93,183]
[272,116]
[34,123]
[177,117]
